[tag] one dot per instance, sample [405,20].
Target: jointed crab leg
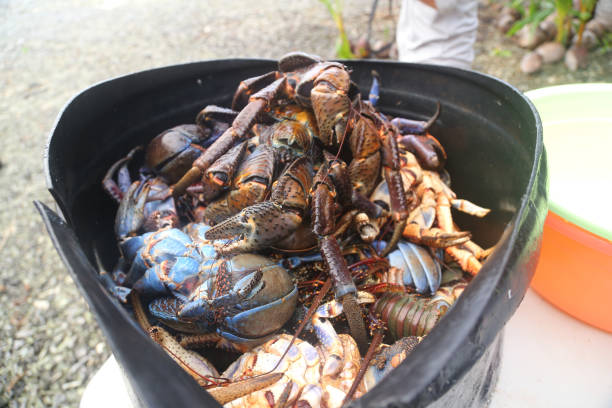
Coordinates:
[323,220]
[399,200]
[117,189]
[250,85]
[258,102]
[204,372]
[377,328]
[226,393]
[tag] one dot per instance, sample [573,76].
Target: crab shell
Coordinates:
[303,366]
[245,323]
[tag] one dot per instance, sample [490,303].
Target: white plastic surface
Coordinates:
[552,360]
[548,360]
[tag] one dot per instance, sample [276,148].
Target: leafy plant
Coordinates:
[343,46]
[605,44]
[584,14]
[532,15]
[563,20]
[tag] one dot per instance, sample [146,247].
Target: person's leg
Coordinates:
[438,32]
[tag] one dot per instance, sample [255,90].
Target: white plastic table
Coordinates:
[549,360]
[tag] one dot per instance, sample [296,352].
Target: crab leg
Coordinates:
[219,175]
[323,220]
[205,373]
[249,185]
[258,102]
[399,200]
[414,137]
[194,364]
[328,337]
[117,189]
[469,208]
[377,328]
[464,257]
[250,85]
[415,127]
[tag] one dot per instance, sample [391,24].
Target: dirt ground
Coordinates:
[499,56]
[50,344]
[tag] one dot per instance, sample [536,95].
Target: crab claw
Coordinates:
[254,228]
[244,289]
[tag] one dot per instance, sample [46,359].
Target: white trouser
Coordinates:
[444,36]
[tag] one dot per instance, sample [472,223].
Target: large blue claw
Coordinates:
[243,290]
[166,310]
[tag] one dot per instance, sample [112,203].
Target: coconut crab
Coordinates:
[228,301]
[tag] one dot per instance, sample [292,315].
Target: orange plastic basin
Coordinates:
[575,267]
[575,272]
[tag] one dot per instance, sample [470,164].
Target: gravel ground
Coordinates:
[51,50]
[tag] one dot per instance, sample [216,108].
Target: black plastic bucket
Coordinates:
[493,137]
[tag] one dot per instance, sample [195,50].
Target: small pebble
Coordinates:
[24,333]
[550,52]
[70,385]
[528,38]
[576,57]
[41,304]
[100,348]
[505,22]
[531,63]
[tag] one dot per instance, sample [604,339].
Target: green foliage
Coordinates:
[605,44]
[532,15]
[343,46]
[533,12]
[500,52]
[583,15]
[563,20]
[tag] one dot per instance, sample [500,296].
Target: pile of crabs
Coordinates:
[258,226]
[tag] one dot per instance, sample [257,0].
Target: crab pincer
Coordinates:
[263,224]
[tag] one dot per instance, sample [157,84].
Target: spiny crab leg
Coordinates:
[258,102]
[323,220]
[399,200]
